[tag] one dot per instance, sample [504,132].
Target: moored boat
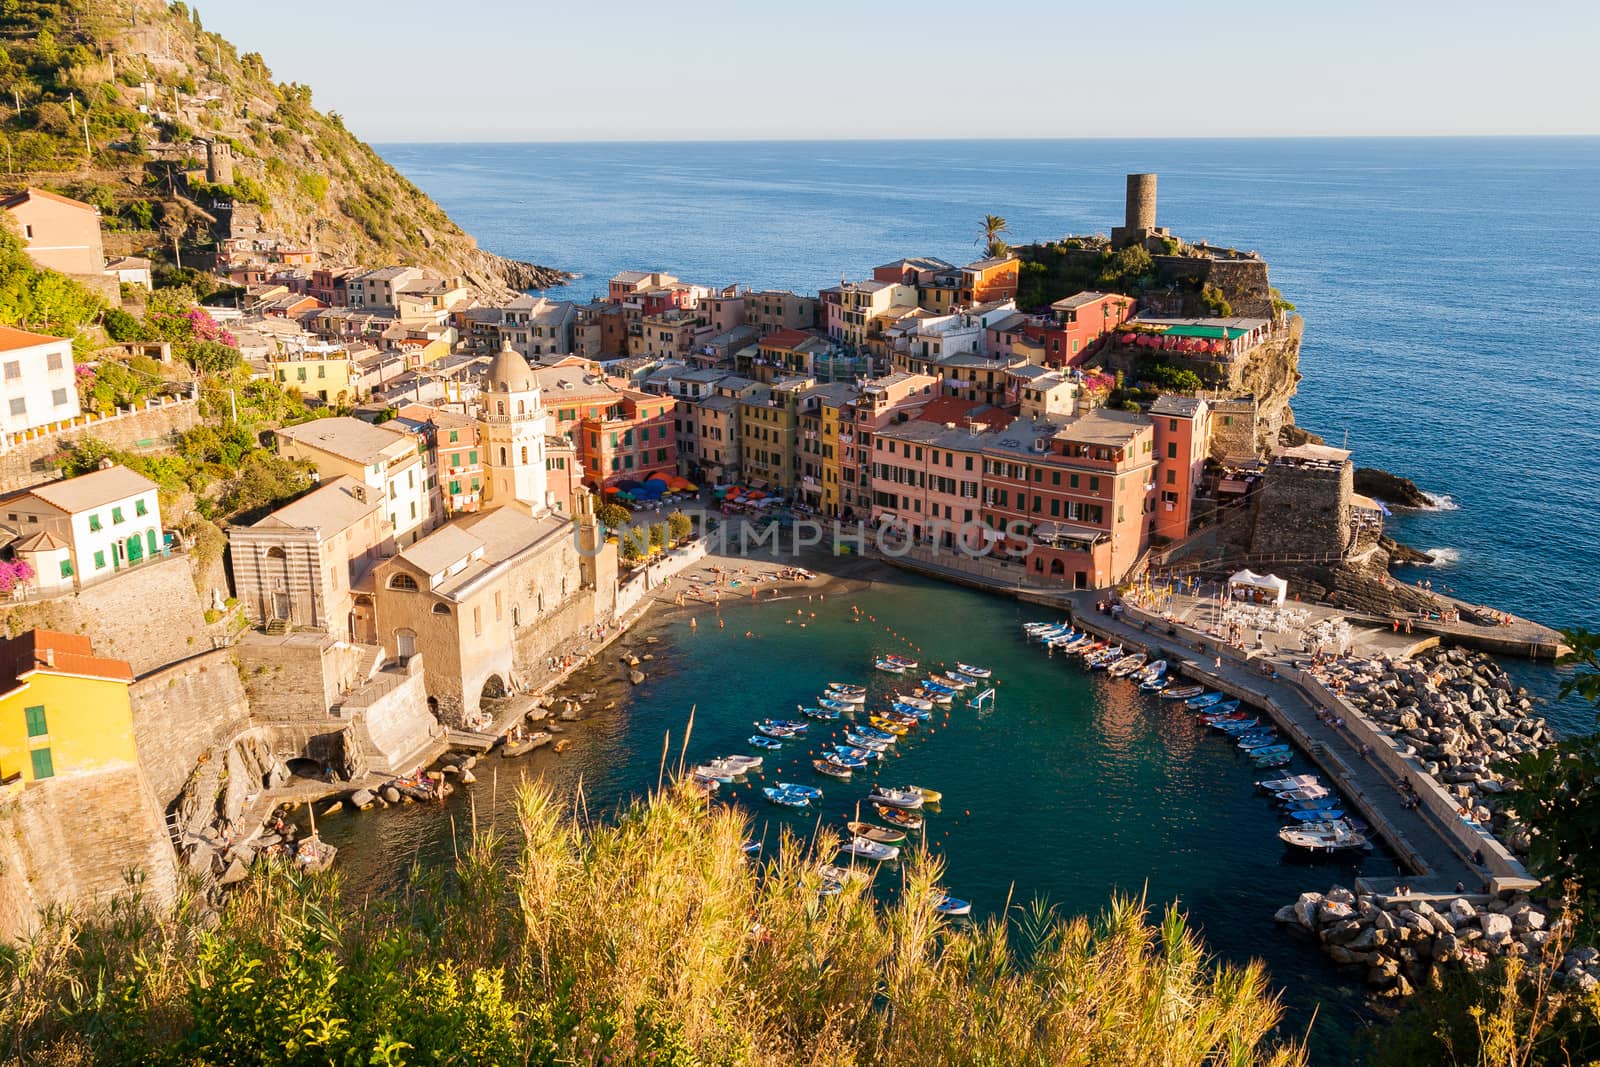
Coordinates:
[888,725]
[949,905]
[887,667]
[972,671]
[907,663]
[1325,837]
[829,767]
[874,832]
[930,796]
[913,701]
[865,849]
[1127,665]
[872,744]
[825,714]
[908,820]
[785,797]
[771,744]
[1184,692]
[898,798]
[1204,700]
[871,733]
[1295,781]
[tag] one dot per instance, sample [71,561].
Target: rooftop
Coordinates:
[1078,300]
[17,199]
[93,490]
[1181,407]
[13,339]
[346,437]
[332,507]
[1104,426]
[57,653]
[480,541]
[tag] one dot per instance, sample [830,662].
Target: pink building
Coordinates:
[1183,440]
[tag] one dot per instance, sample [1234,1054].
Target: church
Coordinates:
[489,597]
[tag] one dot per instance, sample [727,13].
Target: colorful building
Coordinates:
[390,462]
[1183,441]
[315,370]
[98,523]
[39,385]
[1076,322]
[63,710]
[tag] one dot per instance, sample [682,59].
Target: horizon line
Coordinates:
[998,140]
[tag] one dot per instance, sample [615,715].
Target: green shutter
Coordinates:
[139,508]
[36,723]
[100,560]
[66,568]
[42,767]
[455,488]
[94,521]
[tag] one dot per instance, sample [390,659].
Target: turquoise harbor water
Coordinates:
[1073,786]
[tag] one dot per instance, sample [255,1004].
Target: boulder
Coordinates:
[467,777]
[1462,911]
[236,872]
[636,677]
[391,794]
[1495,927]
[1342,933]
[361,797]
[1305,909]
[1332,911]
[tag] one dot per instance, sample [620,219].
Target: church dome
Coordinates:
[509,373]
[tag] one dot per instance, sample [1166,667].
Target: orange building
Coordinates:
[620,433]
[989,280]
[1183,440]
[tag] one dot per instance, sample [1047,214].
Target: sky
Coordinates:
[525,70]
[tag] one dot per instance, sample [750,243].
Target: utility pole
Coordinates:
[87,151]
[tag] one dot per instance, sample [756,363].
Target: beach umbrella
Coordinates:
[612,489]
[628,484]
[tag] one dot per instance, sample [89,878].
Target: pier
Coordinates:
[1429,838]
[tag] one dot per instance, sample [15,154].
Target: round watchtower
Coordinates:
[1141,207]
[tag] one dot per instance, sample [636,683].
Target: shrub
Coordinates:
[679,525]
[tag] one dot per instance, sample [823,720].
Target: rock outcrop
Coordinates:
[1392,489]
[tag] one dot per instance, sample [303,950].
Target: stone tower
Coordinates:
[1139,213]
[219,163]
[512,424]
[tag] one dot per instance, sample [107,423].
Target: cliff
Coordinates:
[117,103]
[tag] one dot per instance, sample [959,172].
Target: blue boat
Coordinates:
[857,752]
[1256,742]
[1204,700]
[810,792]
[872,732]
[1236,729]
[1226,707]
[861,741]
[835,705]
[819,713]
[1317,815]
[934,687]
[771,744]
[855,763]
[785,797]
[911,710]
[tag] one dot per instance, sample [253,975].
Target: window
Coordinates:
[453,435]
[66,568]
[1094,485]
[1172,450]
[1172,477]
[42,767]
[100,561]
[139,507]
[36,724]
[441,609]
[58,397]
[94,521]
[19,406]
[403,582]
[472,457]
[455,488]
[13,370]
[117,516]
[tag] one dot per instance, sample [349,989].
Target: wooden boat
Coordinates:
[1153,685]
[897,798]
[846,687]
[876,833]
[749,763]
[1127,665]
[1305,792]
[844,759]
[908,664]
[1204,700]
[871,744]
[904,718]
[707,772]
[1184,692]
[906,820]
[835,873]
[887,667]
[949,905]
[1282,759]
[856,752]
[933,696]
[974,672]
[911,710]
[889,724]
[781,733]
[828,767]
[1270,751]
[951,681]
[1151,672]
[877,851]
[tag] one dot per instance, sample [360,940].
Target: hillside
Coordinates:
[113,101]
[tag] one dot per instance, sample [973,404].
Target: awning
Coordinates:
[1270,585]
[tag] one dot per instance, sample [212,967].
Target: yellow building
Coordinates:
[321,371]
[63,710]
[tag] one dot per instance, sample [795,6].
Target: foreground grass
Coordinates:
[646,940]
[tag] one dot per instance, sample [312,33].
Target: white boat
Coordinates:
[897,798]
[1306,792]
[949,905]
[840,697]
[846,687]
[915,702]
[710,773]
[1335,836]
[1293,781]
[888,667]
[749,762]
[970,670]
[870,850]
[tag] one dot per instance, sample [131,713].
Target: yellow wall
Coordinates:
[830,460]
[329,376]
[89,720]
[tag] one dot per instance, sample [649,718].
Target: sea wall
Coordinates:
[182,711]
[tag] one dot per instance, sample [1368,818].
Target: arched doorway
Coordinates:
[494,688]
[135,549]
[405,643]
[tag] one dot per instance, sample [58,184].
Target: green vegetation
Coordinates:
[993,227]
[648,939]
[1168,378]
[679,525]
[612,516]
[40,300]
[1509,1013]
[1050,272]
[1214,302]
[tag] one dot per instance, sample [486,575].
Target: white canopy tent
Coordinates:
[1259,588]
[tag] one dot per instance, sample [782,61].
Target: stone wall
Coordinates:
[182,711]
[1233,428]
[390,717]
[301,676]
[78,840]
[1303,512]
[29,462]
[150,615]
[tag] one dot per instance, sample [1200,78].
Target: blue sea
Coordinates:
[1450,287]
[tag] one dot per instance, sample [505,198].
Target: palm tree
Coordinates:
[993,227]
